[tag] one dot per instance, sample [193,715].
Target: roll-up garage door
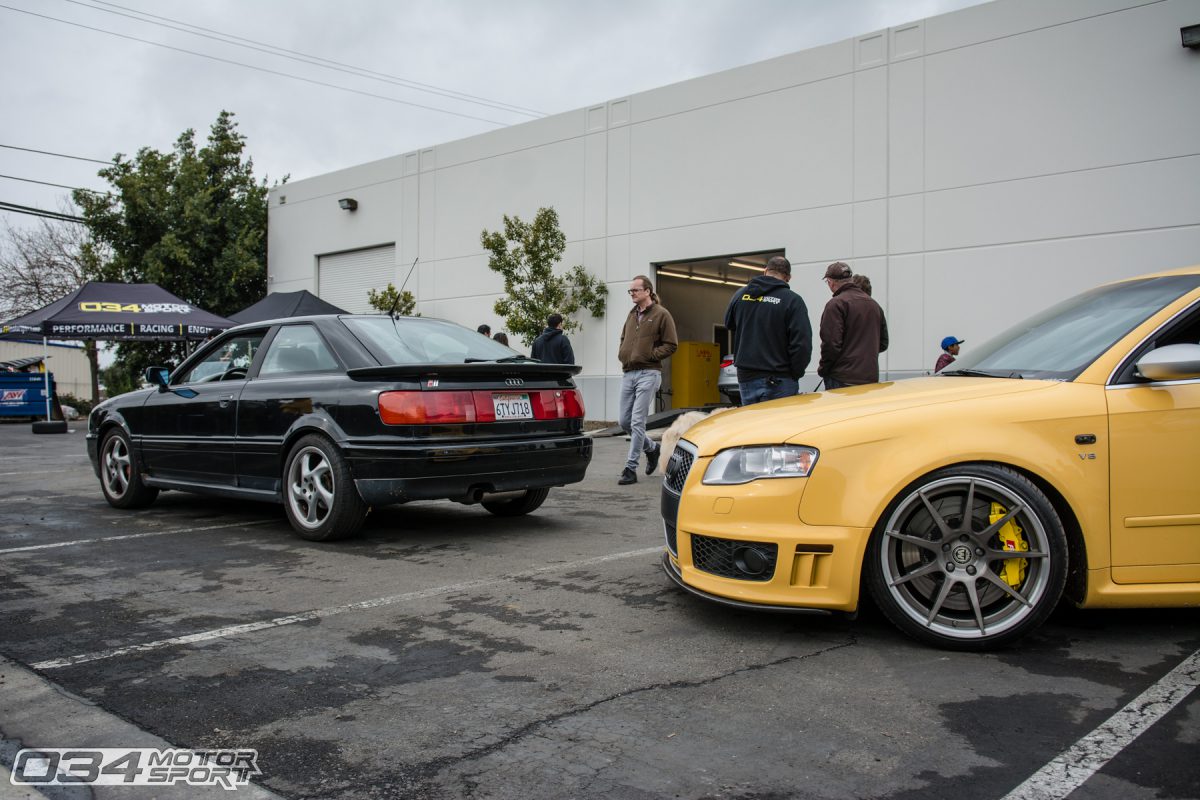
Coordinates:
[345,278]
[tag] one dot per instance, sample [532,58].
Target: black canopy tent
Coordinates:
[281,305]
[120,312]
[115,312]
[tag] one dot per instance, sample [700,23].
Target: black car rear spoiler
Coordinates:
[480,369]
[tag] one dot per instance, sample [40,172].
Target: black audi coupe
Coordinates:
[333,415]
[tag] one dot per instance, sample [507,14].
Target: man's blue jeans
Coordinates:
[756,390]
[638,387]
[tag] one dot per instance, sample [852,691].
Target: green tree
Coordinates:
[387,299]
[525,254]
[192,220]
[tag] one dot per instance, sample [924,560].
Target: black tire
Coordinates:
[518,506]
[50,426]
[939,574]
[319,495]
[120,475]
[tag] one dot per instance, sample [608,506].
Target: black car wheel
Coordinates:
[518,506]
[968,558]
[319,495]
[120,479]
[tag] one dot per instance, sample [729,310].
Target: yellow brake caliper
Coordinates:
[1013,571]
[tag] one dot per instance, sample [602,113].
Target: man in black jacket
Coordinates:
[772,337]
[551,345]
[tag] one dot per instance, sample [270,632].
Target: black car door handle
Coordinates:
[224,401]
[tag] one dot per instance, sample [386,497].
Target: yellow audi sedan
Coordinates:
[1061,458]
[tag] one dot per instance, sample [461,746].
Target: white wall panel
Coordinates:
[465,276]
[870,228]
[1149,195]
[595,185]
[870,134]
[808,66]
[502,141]
[765,154]
[906,296]
[519,184]
[617,217]
[906,127]
[906,224]
[998,20]
[1107,90]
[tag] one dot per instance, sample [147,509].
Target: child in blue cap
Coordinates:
[949,351]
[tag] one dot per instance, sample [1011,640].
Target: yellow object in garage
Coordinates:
[694,370]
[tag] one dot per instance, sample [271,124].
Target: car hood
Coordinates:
[783,420]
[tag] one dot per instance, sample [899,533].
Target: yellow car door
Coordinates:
[1155,481]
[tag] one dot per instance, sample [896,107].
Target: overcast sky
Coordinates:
[83,79]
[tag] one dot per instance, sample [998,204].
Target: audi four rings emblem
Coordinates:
[513,382]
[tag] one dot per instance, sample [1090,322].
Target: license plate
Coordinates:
[512,406]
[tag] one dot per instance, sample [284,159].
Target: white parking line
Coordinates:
[1071,768]
[73,542]
[320,613]
[33,472]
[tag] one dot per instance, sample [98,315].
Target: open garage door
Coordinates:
[345,278]
[697,292]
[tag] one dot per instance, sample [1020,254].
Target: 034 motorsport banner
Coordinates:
[116,311]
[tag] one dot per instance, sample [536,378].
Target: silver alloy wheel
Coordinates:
[310,488]
[942,565]
[117,467]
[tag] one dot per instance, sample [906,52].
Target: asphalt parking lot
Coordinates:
[448,653]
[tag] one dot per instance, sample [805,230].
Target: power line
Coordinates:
[48,153]
[47,183]
[259,69]
[38,212]
[306,58]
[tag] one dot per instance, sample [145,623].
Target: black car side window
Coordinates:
[228,362]
[297,349]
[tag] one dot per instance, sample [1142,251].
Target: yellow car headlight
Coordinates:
[745,464]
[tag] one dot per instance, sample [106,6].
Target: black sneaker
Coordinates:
[652,460]
[628,476]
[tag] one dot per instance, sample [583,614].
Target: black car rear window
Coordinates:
[413,340]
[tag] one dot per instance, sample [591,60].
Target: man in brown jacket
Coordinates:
[853,332]
[647,339]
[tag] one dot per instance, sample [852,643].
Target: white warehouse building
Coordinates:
[977,166]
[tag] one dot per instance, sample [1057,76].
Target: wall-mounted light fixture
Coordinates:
[1190,36]
[747,265]
[348,204]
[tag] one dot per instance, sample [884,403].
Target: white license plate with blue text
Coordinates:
[512,406]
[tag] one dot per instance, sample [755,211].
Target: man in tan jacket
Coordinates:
[647,339]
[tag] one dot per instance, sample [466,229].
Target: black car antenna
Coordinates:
[399,294]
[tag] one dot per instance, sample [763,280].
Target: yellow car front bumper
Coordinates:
[813,568]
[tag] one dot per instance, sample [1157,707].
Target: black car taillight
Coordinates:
[459,407]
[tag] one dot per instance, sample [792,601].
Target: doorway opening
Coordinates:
[697,291]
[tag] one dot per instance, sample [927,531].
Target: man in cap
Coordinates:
[772,337]
[949,351]
[853,332]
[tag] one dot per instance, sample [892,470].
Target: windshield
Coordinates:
[413,340]
[1063,340]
